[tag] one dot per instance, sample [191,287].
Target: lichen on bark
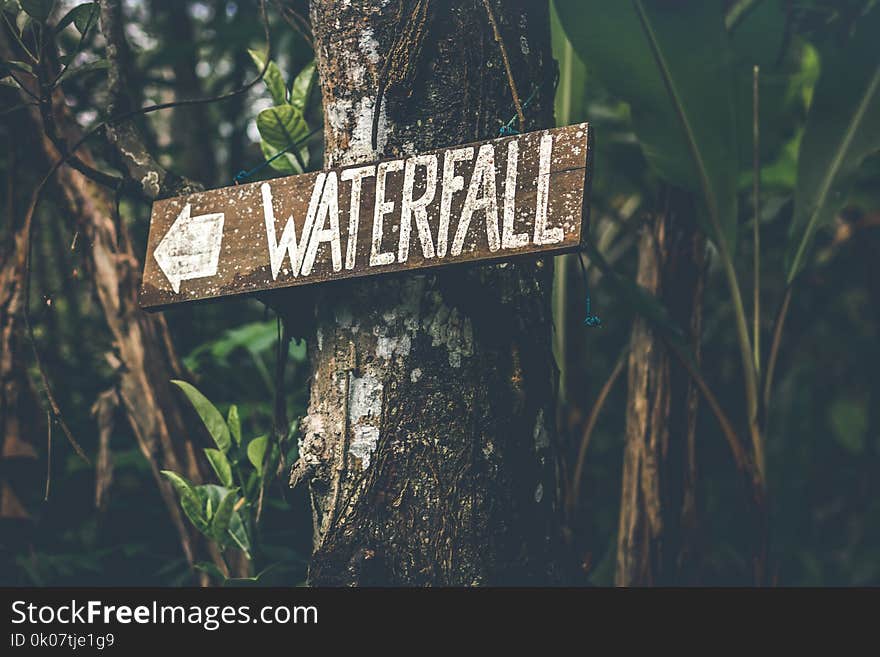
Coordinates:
[428,391]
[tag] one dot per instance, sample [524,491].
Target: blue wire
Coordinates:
[242,175]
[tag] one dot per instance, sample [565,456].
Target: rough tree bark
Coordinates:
[658,499]
[428,444]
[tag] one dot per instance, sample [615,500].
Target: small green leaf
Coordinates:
[303,85]
[234,424]
[256,450]
[18,66]
[272,78]
[82,16]
[219,529]
[281,126]
[286,162]
[189,500]
[221,466]
[239,533]
[97,65]
[39,10]
[214,422]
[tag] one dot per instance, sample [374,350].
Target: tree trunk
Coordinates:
[429,439]
[658,500]
[143,355]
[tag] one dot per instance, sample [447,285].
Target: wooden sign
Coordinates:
[525,194]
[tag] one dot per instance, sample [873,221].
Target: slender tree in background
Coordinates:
[429,440]
[658,500]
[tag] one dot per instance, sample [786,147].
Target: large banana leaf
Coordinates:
[671,63]
[843,128]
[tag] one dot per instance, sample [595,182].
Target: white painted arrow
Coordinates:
[191,247]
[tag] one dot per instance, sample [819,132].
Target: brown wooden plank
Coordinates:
[220,242]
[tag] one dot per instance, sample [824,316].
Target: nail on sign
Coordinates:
[519,195]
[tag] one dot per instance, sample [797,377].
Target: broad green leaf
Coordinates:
[842,129]
[221,466]
[256,450]
[97,65]
[190,501]
[219,528]
[272,78]
[285,162]
[234,424]
[281,126]
[302,86]
[214,422]
[39,10]
[82,16]
[673,69]
[571,93]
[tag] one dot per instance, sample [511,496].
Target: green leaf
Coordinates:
[281,126]
[39,10]
[190,501]
[18,66]
[842,129]
[221,466]
[239,534]
[219,528]
[211,417]
[286,162]
[849,424]
[234,424]
[256,450]
[272,78]
[671,63]
[82,16]
[302,86]
[97,65]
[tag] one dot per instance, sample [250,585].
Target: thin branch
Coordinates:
[739,454]
[756,232]
[519,110]
[598,405]
[50,395]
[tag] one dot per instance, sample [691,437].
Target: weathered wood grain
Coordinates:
[237,240]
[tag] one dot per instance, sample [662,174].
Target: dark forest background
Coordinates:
[103,522]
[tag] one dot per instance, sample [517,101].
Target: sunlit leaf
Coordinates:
[281,126]
[219,528]
[189,500]
[272,78]
[211,417]
[302,86]
[221,466]
[234,423]
[256,450]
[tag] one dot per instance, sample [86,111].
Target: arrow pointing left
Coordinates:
[191,247]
